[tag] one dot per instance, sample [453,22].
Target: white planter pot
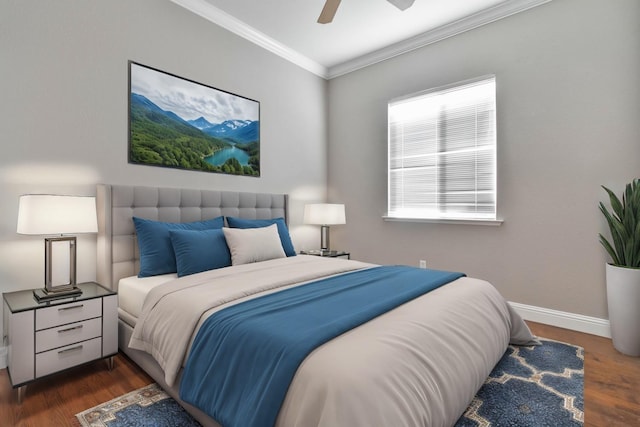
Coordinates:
[623,300]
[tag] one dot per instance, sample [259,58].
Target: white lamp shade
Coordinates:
[54,214]
[324,214]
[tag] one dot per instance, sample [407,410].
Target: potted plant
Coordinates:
[623,273]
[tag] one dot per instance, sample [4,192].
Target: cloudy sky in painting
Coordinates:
[190,100]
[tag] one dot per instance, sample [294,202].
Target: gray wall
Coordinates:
[63,111]
[568,97]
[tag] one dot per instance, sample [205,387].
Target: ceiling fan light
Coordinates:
[401,4]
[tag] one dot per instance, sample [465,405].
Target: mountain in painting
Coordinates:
[145,103]
[236,131]
[200,123]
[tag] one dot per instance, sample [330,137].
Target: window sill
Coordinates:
[462,221]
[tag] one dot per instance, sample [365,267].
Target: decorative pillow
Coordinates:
[283,231]
[253,244]
[156,252]
[199,250]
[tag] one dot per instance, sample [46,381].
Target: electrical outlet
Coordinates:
[423,263]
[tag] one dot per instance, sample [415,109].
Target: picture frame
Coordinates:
[175,122]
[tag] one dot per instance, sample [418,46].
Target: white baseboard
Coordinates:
[562,319]
[3,357]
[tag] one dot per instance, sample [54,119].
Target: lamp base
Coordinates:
[45,295]
[59,270]
[324,238]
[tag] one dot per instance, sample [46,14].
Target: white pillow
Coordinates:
[253,244]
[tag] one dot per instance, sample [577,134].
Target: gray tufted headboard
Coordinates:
[118,254]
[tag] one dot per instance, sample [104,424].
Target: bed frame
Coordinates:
[117,250]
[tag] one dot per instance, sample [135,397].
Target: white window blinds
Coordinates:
[442,153]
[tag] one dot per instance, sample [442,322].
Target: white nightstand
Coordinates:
[48,337]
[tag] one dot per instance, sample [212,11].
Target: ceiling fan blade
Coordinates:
[401,4]
[328,11]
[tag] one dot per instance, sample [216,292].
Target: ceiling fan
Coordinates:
[331,6]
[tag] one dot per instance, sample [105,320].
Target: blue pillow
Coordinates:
[156,252]
[283,231]
[199,250]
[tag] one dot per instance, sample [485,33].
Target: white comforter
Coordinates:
[417,365]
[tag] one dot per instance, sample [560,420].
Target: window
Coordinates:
[442,153]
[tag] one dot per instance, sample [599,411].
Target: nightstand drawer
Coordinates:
[66,357]
[68,313]
[68,334]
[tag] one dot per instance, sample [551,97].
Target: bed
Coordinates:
[417,364]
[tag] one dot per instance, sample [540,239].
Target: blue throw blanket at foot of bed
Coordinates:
[245,356]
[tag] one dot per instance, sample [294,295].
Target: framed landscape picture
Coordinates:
[178,123]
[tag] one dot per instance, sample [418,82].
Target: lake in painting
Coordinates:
[223,155]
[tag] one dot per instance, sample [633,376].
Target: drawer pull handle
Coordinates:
[71,308]
[70,329]
[66,350]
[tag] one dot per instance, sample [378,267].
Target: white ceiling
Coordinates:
[363,32]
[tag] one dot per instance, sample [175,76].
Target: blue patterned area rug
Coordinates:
[146,407]
[536,386]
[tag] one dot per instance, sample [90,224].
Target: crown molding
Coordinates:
[230,23]
[470,22]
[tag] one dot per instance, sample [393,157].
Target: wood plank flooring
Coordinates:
[55,400]
[612,387]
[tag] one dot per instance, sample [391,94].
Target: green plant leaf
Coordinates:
[624,225]
[612,253]
[616,205]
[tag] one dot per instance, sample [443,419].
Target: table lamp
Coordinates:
[324,214]
[48,214]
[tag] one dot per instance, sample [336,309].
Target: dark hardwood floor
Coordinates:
[55,400]
[612,387]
